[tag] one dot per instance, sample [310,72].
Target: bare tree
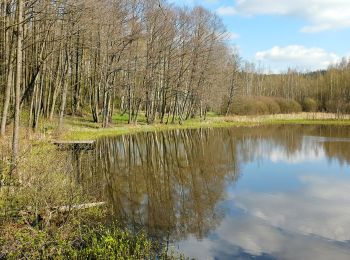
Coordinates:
[19,57]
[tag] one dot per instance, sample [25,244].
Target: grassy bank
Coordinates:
[85,242]
[43,213]
[83,129]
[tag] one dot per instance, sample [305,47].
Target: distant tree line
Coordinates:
[292,91]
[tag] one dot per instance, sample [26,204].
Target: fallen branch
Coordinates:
[78,207]
[53,212]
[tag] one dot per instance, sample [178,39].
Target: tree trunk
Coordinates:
[64,93]
[15,140]
[7,100]
[9,70]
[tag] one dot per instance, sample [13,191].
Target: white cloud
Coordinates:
[321,14]
[211,1]
[226,10]
[297,56]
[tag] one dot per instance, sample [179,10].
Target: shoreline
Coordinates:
[77,129]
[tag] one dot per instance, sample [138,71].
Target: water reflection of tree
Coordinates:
[169,182]
[253,142]
[172,182]
[338,150]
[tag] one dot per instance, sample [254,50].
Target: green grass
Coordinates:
[78,128]
[91,134]
[86,242]
[123,119]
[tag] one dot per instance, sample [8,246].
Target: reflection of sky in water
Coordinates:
[284,206]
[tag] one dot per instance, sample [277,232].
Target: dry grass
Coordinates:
[286,117]
[83,129]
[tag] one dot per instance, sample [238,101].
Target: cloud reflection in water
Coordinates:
[309,222]
[312,223]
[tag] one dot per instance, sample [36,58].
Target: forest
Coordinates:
[94,58]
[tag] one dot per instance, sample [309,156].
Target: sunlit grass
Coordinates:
[77,128]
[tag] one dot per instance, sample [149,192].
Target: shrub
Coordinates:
[347,108]
[309,105]
[283,104]
[331,106]
[294,106]
[272,105]
[263,108]
[248,106]
[338,106]
[288,105]
[264,105]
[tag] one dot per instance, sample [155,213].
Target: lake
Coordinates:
[270,192]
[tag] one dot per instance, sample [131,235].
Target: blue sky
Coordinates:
[302,34]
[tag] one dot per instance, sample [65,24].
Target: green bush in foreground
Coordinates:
[85,243]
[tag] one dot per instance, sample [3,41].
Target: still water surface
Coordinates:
[277,192]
